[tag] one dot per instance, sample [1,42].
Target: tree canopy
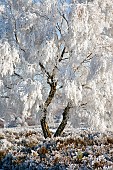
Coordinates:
[54,53]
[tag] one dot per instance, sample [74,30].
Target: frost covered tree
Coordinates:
[56,58]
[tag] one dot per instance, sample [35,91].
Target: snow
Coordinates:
[28,36]
[80,149]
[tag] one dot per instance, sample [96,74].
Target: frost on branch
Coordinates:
[73,38]
[9,57]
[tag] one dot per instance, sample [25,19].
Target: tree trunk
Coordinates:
[45,127]
[53,84]
[64,120]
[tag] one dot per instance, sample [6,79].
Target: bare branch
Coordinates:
[64,17]
[6,97]
[62,54]
[58,28]
[83,105]
[7,86]
[16,74]
[50,77]
[87,59]
[65,58]
[43,69]
[43,16]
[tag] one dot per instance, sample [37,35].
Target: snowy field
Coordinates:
[26,149]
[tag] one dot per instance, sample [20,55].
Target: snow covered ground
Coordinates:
[80,149]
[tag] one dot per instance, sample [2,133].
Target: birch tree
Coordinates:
[57,56]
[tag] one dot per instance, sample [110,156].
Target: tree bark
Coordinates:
[44,125]
[64,120]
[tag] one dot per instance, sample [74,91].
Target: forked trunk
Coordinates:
[53,84]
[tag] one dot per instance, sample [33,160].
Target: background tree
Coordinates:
[53,53]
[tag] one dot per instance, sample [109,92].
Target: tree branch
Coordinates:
[63,16]
[7,86]
[62,54]
[16,74]
[44,70]
[6,97]
[15,28]
[87,59]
